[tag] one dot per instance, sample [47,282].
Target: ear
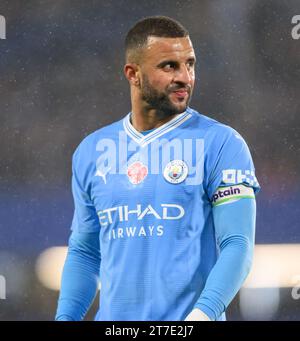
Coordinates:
[132,73]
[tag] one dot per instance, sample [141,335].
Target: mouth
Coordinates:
[181,93]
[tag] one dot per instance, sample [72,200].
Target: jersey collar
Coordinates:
[143,140]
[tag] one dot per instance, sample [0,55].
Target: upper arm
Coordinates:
[85,218]
[229,163]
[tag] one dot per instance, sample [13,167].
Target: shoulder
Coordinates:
[89,143]
[216,133]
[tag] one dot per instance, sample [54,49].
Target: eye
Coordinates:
[169,66]
[191,63]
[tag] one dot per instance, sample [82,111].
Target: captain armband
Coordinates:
[229,194]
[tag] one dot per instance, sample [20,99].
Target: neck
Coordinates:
[143,118]
[143,121]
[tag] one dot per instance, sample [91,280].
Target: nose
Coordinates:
[183,75]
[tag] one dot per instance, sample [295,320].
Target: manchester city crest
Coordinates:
[176,171]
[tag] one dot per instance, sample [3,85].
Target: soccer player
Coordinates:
[164,198]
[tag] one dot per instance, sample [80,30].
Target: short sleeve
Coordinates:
[231,163]
[85,218]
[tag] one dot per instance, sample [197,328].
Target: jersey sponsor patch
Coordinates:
[237,176]
[176,171]
[137,172]
[227,195]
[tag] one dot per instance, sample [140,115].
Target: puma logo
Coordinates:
[102,173]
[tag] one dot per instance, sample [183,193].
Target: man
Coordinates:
[164,198]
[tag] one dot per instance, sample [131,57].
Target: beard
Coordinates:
[160,101]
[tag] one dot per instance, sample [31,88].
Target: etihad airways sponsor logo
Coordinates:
[136,232]
[126,213]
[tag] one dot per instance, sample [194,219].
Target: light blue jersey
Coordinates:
[151,197]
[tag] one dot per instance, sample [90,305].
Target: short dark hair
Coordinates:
[157,26]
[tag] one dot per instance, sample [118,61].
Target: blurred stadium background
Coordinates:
[61,78]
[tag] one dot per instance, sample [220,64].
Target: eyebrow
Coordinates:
[192,59]
[167,61]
